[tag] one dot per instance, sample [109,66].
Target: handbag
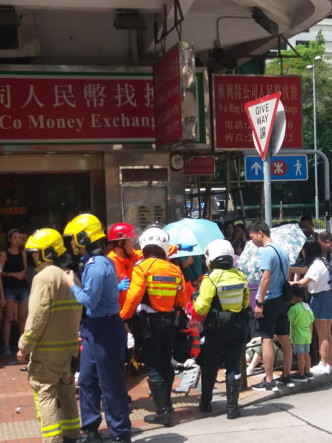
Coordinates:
[286,287]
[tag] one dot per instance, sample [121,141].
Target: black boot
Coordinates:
[233,389]
[123,438]
[161,400]
[208,381]
[89,437]
[169,384]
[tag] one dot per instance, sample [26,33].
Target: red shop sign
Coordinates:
[200,166]
[76,108]
[168,98]
[231,92]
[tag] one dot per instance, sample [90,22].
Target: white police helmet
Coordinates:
[218,249]
[155,235]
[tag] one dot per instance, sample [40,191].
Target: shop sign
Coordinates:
[76,107]
[204,165]
[231,92]
[176,108]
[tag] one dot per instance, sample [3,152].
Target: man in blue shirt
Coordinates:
[102,373]
[271,310]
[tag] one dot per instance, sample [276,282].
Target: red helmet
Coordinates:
[121,231]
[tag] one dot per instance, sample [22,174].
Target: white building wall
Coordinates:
[326,27]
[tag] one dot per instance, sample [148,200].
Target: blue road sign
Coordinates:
[283,168]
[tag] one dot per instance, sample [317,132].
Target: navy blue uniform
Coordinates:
[102,372]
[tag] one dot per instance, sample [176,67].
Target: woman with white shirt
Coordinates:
[319,285]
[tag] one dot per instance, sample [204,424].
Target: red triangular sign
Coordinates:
[261,113]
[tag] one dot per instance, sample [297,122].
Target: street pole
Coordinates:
[267,188]
[315,141]
[313,67]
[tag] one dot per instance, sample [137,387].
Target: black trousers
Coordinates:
[227,342]
[157,349]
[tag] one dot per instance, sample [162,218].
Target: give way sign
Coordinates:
[261,114]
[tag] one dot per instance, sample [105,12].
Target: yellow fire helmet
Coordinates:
[48,241]
[85,229]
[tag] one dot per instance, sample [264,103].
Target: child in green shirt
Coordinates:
[301,318]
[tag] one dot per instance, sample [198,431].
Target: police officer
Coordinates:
[157,287]
[102,373]
[51,339]
[223,295]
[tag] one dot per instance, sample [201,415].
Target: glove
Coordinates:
[188,248]
[124,284]
[189,363]
[194,295]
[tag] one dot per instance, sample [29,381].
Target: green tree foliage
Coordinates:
[323,74]
[323,71]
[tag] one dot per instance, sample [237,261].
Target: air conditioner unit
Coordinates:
[27,46]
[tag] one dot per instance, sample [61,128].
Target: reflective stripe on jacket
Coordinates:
[231,287]
[164,283]
[54,315]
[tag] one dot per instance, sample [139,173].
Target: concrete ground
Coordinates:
[18,421]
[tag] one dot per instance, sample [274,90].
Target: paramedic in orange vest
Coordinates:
[157,287]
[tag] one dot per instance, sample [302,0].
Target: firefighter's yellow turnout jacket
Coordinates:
[51,339]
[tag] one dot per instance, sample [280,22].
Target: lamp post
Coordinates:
[316,59]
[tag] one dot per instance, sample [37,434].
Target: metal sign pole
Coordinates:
[267,189]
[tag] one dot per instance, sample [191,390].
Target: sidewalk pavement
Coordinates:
[18,421]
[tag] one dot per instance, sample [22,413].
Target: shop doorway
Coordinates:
[32,201]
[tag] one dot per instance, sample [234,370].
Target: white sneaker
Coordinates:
[321,369]
[250,370]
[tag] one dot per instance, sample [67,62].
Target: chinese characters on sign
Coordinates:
[86,108]
[261,114]
[231,92]
[175,96]
[204,165]
[168,98]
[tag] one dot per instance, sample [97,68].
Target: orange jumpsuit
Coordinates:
[124,268]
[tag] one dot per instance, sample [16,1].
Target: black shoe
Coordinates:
[232,412]
[286,381]
[309,375]
[165,418]
[205,407]
[69,440]
[300,378]
[124,438]
[265,386]
[89,437]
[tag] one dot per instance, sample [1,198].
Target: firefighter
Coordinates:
[121,236]
[102,373]
[51,339]
[157,287]
[223,295]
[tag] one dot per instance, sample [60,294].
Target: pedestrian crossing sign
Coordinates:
[282,167]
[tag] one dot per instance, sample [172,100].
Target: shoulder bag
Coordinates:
[286,287]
